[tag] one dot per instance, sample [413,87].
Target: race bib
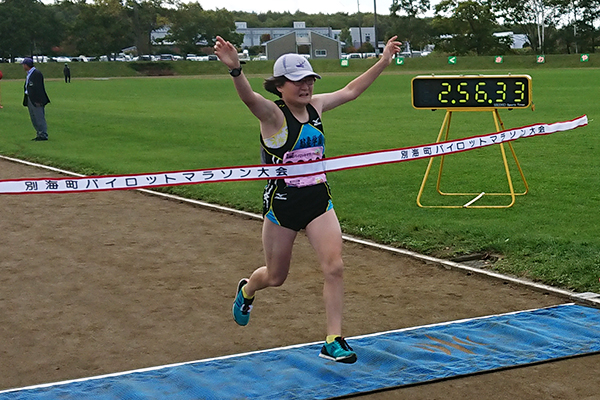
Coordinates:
[304,155]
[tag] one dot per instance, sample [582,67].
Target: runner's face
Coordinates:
[298,91]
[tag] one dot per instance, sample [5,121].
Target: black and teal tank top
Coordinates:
[293,135]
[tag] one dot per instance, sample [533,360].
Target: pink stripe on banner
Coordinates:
[278,171]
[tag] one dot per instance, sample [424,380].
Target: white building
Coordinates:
[360,35]
[518,40]
[252,36]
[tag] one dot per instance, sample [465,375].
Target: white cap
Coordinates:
[294,67]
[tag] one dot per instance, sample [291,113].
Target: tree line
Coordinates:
[74,27]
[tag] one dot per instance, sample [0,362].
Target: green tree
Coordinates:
[66,13]
[27,27]
[412,8]
[583,16]
[102,28]
[533,17]
[346,37]
[416,31]
[220,22]
[190,25]
[185,27]
[366,47]
[468,27]
[145,16]
[405,24]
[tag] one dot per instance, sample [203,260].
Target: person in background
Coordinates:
[67,73]
[35,99]
[291,130]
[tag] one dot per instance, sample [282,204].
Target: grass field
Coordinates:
[552,234]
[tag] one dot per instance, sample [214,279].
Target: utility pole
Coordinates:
[375,27]
[575,27]
[359,22]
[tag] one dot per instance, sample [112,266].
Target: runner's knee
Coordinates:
[333,270]
[276,278]
[275,281]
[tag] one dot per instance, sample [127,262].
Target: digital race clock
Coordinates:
[471,91]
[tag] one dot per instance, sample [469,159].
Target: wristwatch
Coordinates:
[235,72]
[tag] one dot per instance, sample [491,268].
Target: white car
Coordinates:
[41,59]
[62,59]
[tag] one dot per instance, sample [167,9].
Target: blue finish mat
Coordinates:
[385,360]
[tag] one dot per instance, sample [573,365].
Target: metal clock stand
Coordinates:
[472,93]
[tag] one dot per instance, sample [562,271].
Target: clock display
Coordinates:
[471,91]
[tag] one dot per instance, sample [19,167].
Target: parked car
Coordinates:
[123,57]
[62,59]
[81,58]
[120,57]
[40,59]
[167,57]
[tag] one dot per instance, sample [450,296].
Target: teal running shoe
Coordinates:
[242,306]
[338,351]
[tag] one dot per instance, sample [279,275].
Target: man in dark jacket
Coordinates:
[35,99]
[67,73]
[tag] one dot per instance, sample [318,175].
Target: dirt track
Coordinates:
[103,282]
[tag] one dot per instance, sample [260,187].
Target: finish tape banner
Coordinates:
[278,171]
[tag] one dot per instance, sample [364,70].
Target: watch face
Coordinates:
[235,72]
[459,92]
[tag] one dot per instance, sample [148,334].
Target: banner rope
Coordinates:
[278,171]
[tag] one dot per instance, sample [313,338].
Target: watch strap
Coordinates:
[235,72]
